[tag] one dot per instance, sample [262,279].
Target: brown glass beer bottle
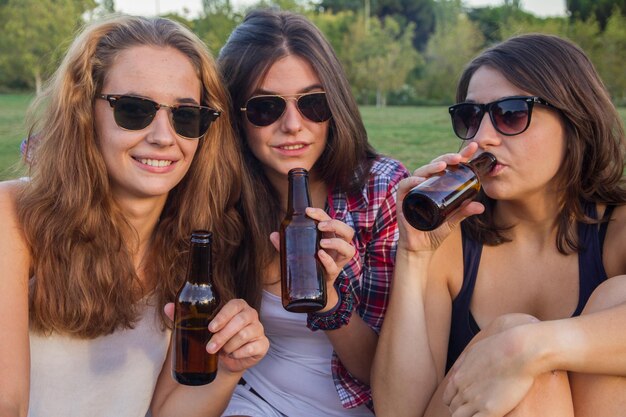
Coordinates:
[302,277]
[428,205]
[195,306]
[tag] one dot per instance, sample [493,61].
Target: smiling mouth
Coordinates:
[292,147]
[156,162]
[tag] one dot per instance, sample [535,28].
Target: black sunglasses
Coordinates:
[264,110]
[135,113]
[510,116]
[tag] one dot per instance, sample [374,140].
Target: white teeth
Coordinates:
[156,162]
[292,147]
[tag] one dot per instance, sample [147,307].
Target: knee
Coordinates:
[608,294]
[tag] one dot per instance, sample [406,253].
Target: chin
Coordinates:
[291,166]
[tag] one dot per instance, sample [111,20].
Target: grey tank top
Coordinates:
[295,375]
[111,375]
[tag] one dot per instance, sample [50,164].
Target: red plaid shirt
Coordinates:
[372,215]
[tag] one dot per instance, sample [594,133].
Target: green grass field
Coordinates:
[413,135]
[12,130]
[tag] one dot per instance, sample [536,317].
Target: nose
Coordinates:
[161,131]
[486,135]
[291,120]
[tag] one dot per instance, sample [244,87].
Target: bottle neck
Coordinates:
[199,270]
[483,163]
[298,198]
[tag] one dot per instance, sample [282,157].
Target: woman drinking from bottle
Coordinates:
[516,305]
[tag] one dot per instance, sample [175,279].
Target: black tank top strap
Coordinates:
[591,271]
[605,224]
[462,325]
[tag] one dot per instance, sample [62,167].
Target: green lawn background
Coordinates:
[413,135]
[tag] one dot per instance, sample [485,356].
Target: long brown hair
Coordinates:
[559,71]
[264,37]
[84,282]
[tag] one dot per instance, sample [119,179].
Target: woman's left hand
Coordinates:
[491,377]
[238,336]
[336,249]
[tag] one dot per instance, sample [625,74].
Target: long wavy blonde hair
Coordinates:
[83,279]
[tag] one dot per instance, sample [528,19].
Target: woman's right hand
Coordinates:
[414,240]
[238,336]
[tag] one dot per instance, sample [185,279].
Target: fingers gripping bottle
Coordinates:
[195,306]
[428,204]
[302,274]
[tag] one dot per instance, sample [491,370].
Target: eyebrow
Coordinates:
[187,101]
[262,91]
[181,100]
[492,101]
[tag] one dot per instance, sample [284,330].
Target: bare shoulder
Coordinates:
[8,196]
[614,251]
[9,223]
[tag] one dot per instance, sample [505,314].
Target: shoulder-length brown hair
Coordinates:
[559,71]
[264,37]
[84,282]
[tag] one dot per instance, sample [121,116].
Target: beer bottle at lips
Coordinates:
[302,274]
[195,306]
[428,204]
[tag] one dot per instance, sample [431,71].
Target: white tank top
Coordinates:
[111,375]
[295,376]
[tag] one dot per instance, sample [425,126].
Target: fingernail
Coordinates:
[211,348]
[324,242]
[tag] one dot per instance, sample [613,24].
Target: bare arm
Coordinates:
[403,373]
[14,349]
[411,354]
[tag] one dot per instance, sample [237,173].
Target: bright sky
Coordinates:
[193,7]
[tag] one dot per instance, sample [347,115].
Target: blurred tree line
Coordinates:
[394,51]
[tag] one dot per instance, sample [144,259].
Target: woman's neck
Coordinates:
[537,215]
[142,216]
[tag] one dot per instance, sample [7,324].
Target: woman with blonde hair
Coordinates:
[134,152]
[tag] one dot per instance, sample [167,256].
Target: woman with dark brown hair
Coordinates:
[293,108]
[134,152]
[520,311]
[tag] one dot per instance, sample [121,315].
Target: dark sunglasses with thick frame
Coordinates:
[189,121]
[509,116]
[263,110]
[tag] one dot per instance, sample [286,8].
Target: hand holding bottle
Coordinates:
[415,240]
[304,265]
[238,336]
[336,249]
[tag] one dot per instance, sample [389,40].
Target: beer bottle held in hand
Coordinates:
[195,306]
[428,204]
[302,274]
